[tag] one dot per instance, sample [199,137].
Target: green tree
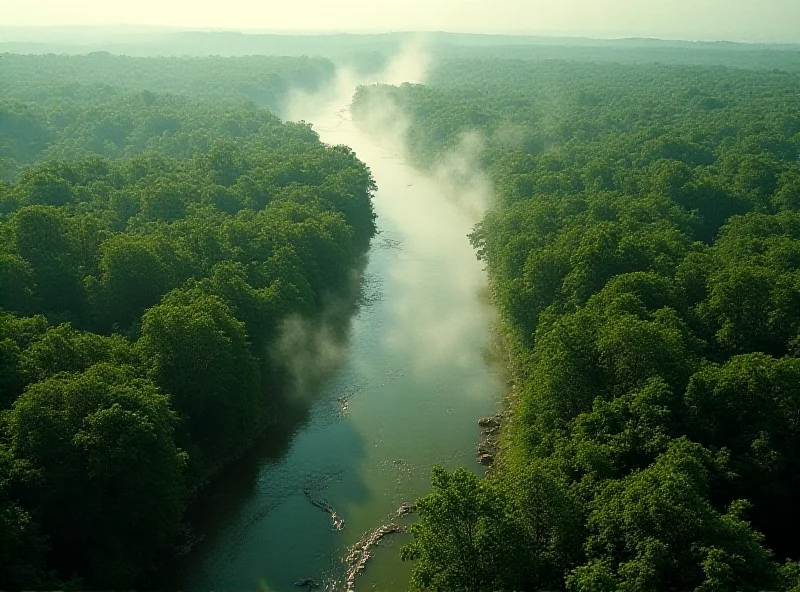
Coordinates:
[656,530]
[65,349]
[749,406]
[133,277]
[46,190]
[465,538]
[23,549]
[41,236]
[103,471]
[17,288]
[197,351]
[164,200]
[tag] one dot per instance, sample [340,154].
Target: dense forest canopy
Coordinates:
[643,254]
[151,245]
[263,80]
[83,121]
[158,225]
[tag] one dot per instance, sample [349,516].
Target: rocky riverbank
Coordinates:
[488,444]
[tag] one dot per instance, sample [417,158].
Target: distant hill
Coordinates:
[369,51]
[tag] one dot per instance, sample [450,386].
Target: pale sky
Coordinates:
[747,20]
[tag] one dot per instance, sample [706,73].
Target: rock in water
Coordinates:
[359,553]
[486,460]
[406,509]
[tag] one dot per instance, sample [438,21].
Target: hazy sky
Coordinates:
[754,20]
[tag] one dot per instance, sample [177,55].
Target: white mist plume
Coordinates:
[309,350]
[411,64]
[433,210]
[301,105]
[459,170]
[384,119]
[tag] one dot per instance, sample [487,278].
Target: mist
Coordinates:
[432,210]
[196,235]
[310,349]
[458,171]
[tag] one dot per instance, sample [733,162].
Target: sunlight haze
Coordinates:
[741,20]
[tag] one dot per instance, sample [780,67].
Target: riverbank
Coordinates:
[415,376]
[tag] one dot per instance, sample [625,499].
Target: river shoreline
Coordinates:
[283,415]
[415,376]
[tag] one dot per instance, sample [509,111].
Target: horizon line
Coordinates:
[290,32]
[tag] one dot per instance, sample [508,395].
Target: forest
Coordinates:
[159,224]
[644,254]
[151,245]
[262,79]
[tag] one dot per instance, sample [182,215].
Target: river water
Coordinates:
[415,374]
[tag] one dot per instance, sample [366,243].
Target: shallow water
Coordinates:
[415,376]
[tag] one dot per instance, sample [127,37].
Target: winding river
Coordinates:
[412,378]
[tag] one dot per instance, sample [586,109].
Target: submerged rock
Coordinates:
[338,522]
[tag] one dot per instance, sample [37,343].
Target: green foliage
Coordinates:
[644,257]
[790,574]
[16,283]
[22,546]
[465,539]
[99,463]
[656,530]
[264,80]
[621,435]
[63,349]
[197,351]
[132,278]
[160,241]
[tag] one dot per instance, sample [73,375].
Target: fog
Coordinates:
[407,376]
[745,20]
[432,213]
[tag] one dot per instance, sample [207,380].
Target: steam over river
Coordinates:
[410,383]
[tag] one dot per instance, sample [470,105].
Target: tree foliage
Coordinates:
[644,257]
[150,247]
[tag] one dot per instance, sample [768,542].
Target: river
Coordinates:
[413,379]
